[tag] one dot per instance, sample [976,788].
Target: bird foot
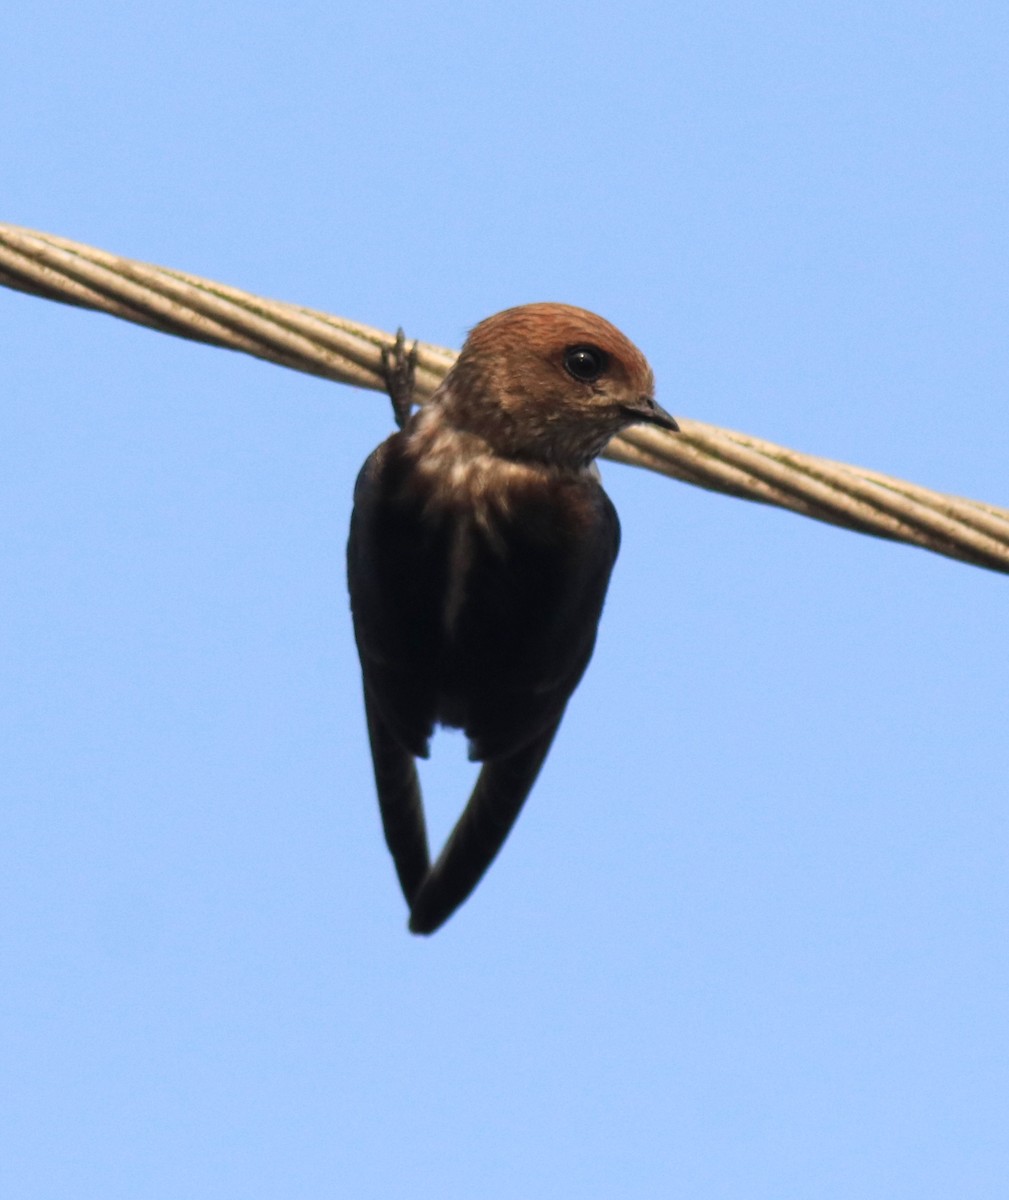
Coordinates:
[399,369]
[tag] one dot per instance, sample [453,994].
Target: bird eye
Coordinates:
[585,363]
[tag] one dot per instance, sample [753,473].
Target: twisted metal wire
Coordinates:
[348,352]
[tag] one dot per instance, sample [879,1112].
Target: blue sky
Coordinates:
[751,934]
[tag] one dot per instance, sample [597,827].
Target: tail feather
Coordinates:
[400,804]
[500,791]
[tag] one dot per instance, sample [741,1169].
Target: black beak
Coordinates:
[645,410]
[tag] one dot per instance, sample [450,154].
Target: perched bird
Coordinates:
[480,550]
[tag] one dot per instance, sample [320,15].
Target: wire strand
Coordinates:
[345,351]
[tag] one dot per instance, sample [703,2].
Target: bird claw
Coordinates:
[399,370]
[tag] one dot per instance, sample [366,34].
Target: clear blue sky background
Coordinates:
[751,935]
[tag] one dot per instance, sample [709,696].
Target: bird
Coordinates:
[480,551]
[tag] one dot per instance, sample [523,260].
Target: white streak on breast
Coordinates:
[459,562]
[474,486]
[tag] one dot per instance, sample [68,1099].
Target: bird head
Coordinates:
[549,382]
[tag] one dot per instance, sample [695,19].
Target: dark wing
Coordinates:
[393,559]
[529,625]
[527,661]
[396,576]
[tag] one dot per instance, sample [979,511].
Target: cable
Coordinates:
[335,348]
